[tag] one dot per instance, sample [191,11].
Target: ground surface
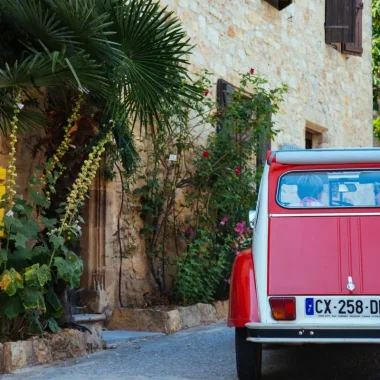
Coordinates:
[207,353]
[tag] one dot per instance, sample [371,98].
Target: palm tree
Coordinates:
[129,56]
[132,55]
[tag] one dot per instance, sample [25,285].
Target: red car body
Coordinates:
[312,275]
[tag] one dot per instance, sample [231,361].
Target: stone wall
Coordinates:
[329,95]
[168,321]
[100,250]
[47,348]
[329,92]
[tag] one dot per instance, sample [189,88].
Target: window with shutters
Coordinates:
[356,47]
[340,21]
[343,25]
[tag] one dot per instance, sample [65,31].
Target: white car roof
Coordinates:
[326,156]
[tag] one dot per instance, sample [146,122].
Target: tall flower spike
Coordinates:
[12,174]
[64,146]
[83,183]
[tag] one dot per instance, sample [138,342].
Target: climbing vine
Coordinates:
[200,182]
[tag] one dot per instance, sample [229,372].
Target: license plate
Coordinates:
[342,308]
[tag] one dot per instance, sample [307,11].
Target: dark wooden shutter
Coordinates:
[223,94]
[340,21]
[356,48]
[279,4]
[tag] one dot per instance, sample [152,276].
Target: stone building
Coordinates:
[323,55]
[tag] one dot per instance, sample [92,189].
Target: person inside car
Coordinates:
[376,191]
[310,190]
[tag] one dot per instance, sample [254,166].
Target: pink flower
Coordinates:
[206,92]
[252,71]
[237,252]
[238,170]
[224,221]
[240,227]
[227,281]
[206,154]
[247,230]
[190,231]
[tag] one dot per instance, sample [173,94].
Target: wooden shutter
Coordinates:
[279,4]
[356,48]
[223,94]
[340,21]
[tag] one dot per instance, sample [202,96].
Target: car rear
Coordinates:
[322,277]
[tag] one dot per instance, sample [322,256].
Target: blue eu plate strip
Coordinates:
[309,304]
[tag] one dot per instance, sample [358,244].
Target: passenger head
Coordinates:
[376,190]
[309,186]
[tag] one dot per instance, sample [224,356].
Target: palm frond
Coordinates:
[39,23]
[90,27]
[36,70]
[156,51]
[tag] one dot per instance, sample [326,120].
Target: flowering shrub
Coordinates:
[220,186]
[201,267]
[226,182]
[35,251]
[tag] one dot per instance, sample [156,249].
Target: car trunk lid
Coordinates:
[317,255]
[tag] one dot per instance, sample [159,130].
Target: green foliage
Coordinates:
[37,275]
[33,299]
[11,281]
[131,56]
[376,54]
[201,267]
[128,60]
[376,63]
[376,128]
[53,325]
[69,269]
[218,178]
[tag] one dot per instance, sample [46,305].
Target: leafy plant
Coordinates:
[35,249]
[130,56]
[213,183]
[201,267]
[376,52]
[126,60]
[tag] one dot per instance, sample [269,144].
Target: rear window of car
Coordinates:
[329,189]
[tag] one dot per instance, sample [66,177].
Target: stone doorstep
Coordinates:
[168,322]
[90,320]
[50,347]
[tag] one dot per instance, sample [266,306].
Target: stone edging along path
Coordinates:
[71,343]
[48,348]
[167,321]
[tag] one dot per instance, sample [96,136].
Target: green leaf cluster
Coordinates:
[130,56]
[201,268]
[203,197]
[376,53]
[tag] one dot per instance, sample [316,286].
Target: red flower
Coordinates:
[206,92]
[238,170]
[252,71]
[206,154]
